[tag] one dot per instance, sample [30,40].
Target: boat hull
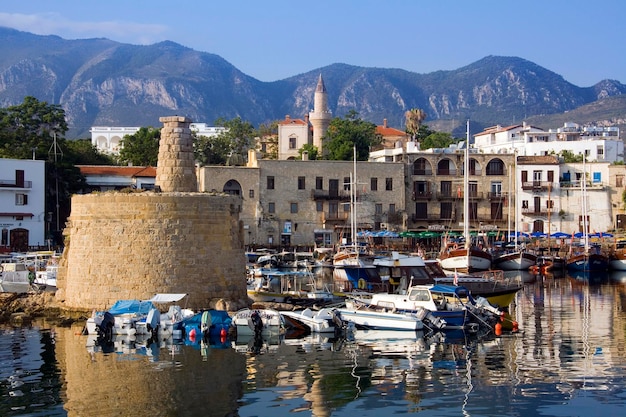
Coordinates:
[617,260]
[590,262]
[369,319]
[273,322]
[515,261]
[316,322]
[466,260]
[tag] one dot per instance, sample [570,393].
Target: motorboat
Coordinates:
[364,317]
[453,305]
[264,323]
[292,286]
[16,277]
[397,270]
[168,323]
[121,318]
[325,320]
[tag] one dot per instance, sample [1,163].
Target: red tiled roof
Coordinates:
[389,131]
[494,129]
[117,171]
[292,122]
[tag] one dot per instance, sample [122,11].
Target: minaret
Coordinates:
[320,116]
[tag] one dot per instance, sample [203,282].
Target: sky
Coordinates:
[274,39]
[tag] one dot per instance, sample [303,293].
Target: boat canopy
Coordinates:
[131,306]
[167,298]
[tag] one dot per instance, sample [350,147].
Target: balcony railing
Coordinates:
[537,211]
[497,195]
[341,216]
[422,195]
[341,195]
[426,171]
[536,185]
[13,184]
[432,217]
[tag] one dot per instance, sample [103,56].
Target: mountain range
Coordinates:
[99,82]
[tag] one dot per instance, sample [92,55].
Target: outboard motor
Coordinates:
[153,320]
[256,323]
[206,322]
[105,328]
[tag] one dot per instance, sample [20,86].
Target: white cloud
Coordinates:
[56,24]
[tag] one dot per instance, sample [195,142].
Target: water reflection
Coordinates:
[568,359]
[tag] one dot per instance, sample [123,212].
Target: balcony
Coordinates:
[14,184]
[536,185]
[422,171]
[339,195]
[448,171]
[337,217]
[432,218]
[422,195]
[537,211]
[497,196]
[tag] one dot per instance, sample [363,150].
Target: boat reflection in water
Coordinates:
[567,359]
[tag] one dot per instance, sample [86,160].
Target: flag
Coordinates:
[456,278]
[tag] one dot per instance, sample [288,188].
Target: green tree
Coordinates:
[414,119]
[141,148]
[569,156]
[239,133]
[213,150]
[345,134]
[83,152]
[267,134]
[423,132]
[310,149]
[29,129]
[436,140]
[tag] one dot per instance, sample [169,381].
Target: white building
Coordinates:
[107,139]
[23,219]
[601,144]
[293,134]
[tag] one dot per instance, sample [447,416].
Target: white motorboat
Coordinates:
[15,277]
[366,318]
[261,322]
[320,321]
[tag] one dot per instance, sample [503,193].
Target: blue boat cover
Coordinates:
[131,306]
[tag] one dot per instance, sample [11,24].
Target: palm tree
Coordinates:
[414,119]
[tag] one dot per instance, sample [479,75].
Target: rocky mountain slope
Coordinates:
[104,83]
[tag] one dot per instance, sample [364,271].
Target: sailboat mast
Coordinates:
[584,206]
[466,189]
[353,203]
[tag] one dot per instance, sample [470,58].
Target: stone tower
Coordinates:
[320,116]
[176,168]
[134,244]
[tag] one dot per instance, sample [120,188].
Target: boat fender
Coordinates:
[361,284]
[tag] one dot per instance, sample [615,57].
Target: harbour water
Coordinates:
[568,359]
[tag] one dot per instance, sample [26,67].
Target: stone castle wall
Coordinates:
[133,245]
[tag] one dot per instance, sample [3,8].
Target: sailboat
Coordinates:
[588,259]
[470,257]
[517,259]
[350,270]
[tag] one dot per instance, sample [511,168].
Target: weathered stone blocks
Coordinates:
[123,246]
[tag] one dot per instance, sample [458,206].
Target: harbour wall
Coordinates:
[133,245]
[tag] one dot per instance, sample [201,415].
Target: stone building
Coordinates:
[305,203]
